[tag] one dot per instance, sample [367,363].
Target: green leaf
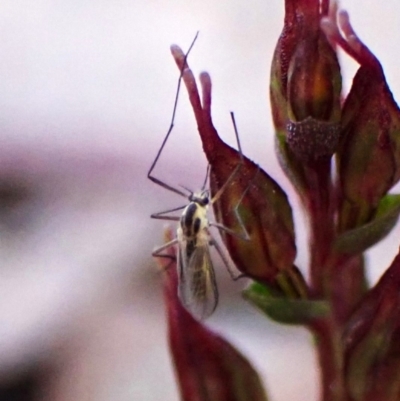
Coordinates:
[361,238]
[283,310]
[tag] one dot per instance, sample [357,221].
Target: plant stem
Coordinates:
[330,357]
[323,262]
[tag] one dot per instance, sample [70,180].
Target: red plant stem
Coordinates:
[330,358]
[327,331]
[319,205]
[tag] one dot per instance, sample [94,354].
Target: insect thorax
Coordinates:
[193,220]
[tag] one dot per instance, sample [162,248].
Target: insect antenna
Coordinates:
[244,235]
[237,135]
[237,168]
[186,189]
[206,177]
[149,174]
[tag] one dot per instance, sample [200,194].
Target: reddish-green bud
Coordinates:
[208,368]
[369,155]
[371,341]
[305,87]
[312,90]
[261,203]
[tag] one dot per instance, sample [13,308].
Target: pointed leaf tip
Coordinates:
[363,237]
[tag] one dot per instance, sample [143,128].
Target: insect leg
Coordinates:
[158,251]
[245,235]
[162,215]
[236,209]
[221,227]
[225,260]
[149,174]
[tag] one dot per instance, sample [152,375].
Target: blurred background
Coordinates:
[87,90]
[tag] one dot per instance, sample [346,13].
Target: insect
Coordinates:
[197,288]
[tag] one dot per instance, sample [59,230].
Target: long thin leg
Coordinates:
[236,210]
[221,227]
[149,176]
[157,251]
[245,236]
[161,215]
[224,259]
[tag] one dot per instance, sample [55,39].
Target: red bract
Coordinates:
[369,155]
[208,368]
[371,341]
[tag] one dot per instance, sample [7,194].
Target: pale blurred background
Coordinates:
[86,95]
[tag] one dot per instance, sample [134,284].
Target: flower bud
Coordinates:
[312,89]
[305,88]
[369,155]
[262,205]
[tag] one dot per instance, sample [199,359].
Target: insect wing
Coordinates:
[197,285]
